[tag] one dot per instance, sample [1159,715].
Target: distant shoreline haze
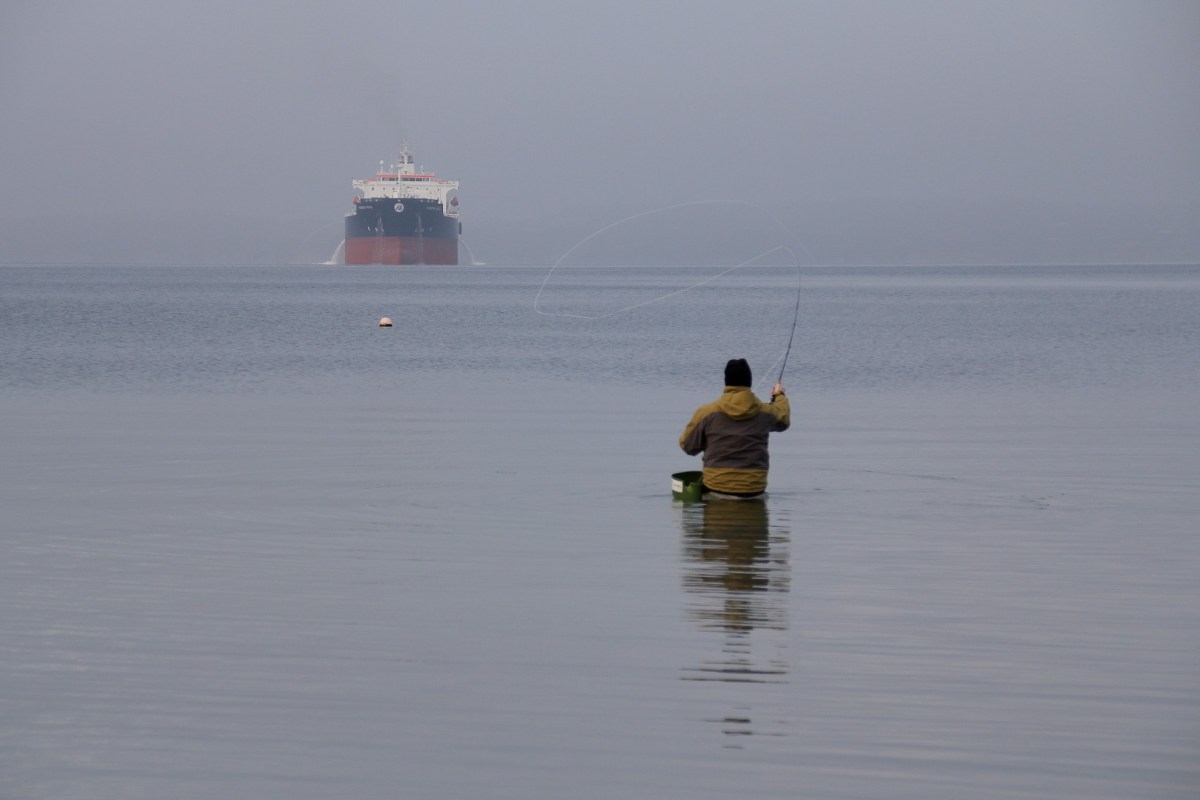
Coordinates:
[870,231]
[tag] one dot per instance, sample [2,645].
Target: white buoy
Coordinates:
[386,322]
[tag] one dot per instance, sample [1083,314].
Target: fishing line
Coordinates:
[632,306]
[778,249]
[599,231]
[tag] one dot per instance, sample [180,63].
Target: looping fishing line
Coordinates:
[782,360]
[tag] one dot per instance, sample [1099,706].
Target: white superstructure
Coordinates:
[402,181]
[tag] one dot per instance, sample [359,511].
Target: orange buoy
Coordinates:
[386,322]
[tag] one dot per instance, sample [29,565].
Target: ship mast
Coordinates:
[405,167]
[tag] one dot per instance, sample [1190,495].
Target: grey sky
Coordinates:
[133,109]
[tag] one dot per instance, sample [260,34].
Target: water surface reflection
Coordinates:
[736,575]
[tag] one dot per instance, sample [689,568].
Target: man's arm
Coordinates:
[693,439]
[780,408]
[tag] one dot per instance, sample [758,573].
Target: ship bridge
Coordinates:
[402,181]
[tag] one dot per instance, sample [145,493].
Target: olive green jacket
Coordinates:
[732,433]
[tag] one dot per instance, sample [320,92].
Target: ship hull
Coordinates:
[377,249]
[407,231]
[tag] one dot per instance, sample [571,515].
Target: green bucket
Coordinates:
[687,486]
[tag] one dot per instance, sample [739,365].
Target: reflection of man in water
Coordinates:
[736,576]
[728,549]
[732,433]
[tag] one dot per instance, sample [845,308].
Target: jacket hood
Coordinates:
[738,402]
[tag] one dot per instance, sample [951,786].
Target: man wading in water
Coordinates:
[732,433]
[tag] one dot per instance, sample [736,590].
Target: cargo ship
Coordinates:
[402,216]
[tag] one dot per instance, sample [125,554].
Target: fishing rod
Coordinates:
[795,319]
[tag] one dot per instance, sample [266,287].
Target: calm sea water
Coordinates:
[253,545]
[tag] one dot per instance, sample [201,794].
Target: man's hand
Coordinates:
[778,390]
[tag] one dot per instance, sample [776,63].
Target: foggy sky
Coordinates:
[877,131]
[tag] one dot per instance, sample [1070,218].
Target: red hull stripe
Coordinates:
[401,250]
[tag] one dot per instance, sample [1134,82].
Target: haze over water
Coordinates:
[253,545]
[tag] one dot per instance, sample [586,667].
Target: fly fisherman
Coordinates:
[732,433]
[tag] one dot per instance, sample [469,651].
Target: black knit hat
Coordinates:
[737,373]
